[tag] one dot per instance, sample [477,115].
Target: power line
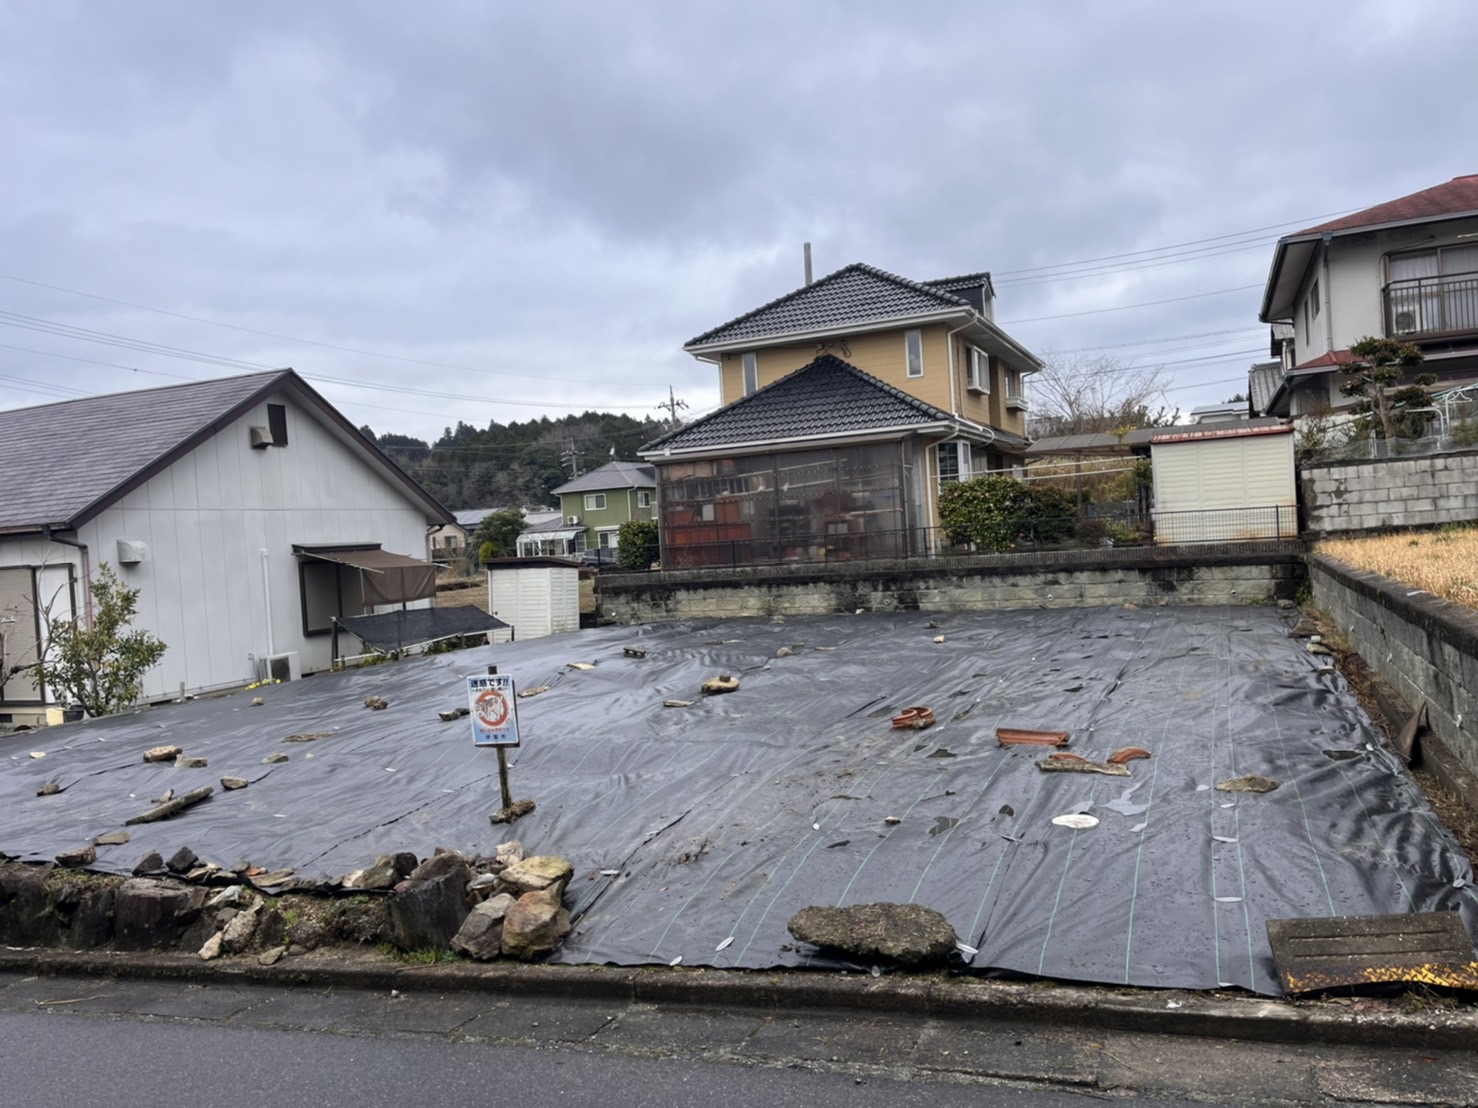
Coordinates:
[287,338]
[1172,246]
[1127,307]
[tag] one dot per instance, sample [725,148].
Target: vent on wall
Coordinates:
[131,552]
[261,438]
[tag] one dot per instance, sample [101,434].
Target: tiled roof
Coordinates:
[57,459]
[612,475]
[826,397]
[1452,198]
[854,294]
[1263,380]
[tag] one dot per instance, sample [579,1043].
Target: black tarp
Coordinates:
[413,626]
[722,819]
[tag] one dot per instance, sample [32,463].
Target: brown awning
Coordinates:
[388,578]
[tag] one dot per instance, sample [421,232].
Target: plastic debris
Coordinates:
[965,949]
[676,961]
[725,944]
[1223,838]
[38,754]
[1077,821]
[580,665]
[524,694]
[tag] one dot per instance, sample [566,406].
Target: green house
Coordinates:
[597,503]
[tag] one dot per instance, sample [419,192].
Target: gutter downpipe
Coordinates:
[1328,302]
[267,602]
[86,569]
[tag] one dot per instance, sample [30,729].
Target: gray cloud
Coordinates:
[557,196]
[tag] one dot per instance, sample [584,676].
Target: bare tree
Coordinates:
[1095,395]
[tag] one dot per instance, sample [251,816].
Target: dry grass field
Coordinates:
[1443,562]
[476,594]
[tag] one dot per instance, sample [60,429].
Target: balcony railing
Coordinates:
[1427,307]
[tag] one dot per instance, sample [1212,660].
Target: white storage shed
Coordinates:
[1225,484]
[536,596]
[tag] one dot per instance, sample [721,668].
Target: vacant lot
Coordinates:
[698,830]
[1443,562]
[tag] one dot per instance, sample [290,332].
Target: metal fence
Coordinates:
[1095,528]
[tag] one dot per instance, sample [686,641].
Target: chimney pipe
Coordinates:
[806,249]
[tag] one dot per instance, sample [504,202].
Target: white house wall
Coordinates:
[207,518]
[1356,277]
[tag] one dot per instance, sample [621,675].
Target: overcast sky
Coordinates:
[441,210]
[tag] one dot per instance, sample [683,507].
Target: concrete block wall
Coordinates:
[944,586]
[1425,647]
[1386,493]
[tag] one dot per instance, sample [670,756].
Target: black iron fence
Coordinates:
[1098,529]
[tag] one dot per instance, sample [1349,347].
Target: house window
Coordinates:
[643,498]
[1432,291]
[277,423]
[608,540]
[1314,297]
[1015,385]
[977,377]
[751,363]
[595,501]
[913,352]
[954,462]
[329,590]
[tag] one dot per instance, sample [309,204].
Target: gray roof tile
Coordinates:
[613,475]
[854,294]
[828,396]
[57,459]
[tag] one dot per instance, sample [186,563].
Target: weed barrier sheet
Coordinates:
[697,832]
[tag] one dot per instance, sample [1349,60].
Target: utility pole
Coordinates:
[572,458]
[671,408]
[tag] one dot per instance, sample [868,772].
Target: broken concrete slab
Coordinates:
[173,807]
[902,934]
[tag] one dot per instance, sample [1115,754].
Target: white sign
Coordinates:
[494,710]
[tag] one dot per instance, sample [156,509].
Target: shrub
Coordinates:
[637,544]
[997,512]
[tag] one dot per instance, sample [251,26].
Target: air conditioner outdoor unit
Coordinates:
[1408,322]
[571,521]
[279,667]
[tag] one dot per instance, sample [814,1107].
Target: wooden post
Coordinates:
[502,762]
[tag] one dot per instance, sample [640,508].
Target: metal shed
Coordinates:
[536,596]
[1224,484]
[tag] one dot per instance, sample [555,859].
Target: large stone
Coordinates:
[79,856]
[238,933]
[161,754]
[535,925]
[84,912]
[151,862]
[481,934]
[906,934]
[427,914]
[388,871]
[538,873]
[149,914]
[181,860]
[26,918]
[442,862]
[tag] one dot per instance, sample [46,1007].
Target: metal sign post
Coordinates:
[492,703]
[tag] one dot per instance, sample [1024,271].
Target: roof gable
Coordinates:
[826,397]
[64,463]
[1456,197]
[852,295]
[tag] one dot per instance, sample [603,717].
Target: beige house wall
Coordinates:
[881,354]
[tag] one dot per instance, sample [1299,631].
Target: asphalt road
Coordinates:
[68,1041]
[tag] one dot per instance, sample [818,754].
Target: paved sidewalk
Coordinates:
[937,1030]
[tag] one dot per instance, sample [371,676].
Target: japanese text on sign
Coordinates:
[494,710]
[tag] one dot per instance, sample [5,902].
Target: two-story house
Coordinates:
[595,504]
[1406,269]
[847,403]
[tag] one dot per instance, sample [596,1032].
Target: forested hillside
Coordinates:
[515,464]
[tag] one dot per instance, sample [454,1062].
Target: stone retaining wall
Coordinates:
[1383,493]
[1068,579]
[1427,648]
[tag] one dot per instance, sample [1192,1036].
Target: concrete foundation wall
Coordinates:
[1426,648]
[1069,580]
[1383,493]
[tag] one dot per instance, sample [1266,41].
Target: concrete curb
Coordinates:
[1210,1015]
